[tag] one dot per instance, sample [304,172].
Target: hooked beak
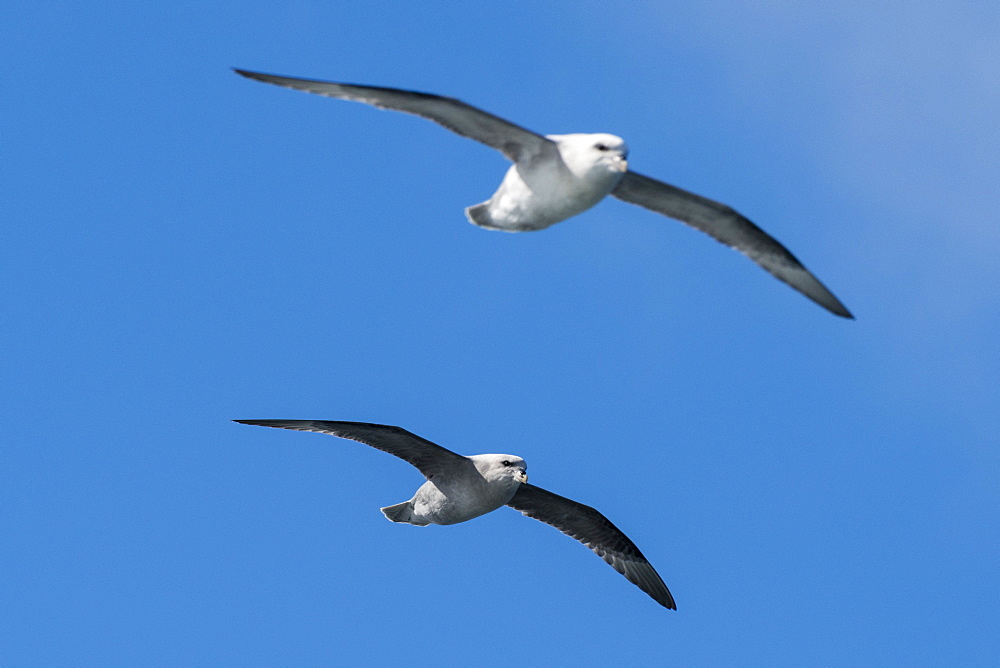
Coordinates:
[522,476]
[621,163]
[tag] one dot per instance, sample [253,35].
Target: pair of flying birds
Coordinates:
[553,178]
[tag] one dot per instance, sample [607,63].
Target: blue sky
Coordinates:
[182,247]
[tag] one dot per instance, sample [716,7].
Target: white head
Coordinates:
[501,469]
[585,153]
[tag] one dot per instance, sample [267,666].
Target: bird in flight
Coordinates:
[460,488]
[556,177]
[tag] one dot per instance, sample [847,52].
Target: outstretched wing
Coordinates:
[428,457]
[512,140]
[596,532]
[729,227]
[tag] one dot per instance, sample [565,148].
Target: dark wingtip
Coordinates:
[824,298]
[245,73]
[667,602]
[843,313]
[664,598]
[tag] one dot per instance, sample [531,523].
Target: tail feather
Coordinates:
[480,215]
[401,512]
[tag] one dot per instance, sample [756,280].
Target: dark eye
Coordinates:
[601,147]
[505,462]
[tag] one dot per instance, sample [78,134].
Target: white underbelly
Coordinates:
[544,200]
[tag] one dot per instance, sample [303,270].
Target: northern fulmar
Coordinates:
[460,488]
[556,177]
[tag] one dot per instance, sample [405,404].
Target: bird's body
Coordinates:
[460,488]
[556,177]
[539,193]
[472,488]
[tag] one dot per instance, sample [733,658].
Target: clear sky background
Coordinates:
[181,247]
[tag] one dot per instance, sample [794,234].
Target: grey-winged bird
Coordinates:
[556,177]
[460,488]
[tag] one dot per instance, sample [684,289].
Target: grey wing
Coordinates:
[428,457]
[729,227]
[596,532]
[512,140]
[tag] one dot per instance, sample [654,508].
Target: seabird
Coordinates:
[556,177]
[460,488]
